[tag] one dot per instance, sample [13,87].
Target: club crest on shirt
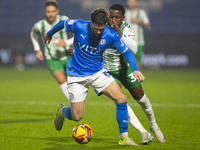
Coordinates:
[102,42]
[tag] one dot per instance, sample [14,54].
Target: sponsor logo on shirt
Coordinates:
[87,48]
[131,35]
[83,36]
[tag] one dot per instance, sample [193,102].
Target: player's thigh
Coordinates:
[128,79]
[100,81]
[104,83]
[114,92]
[77,110]
[131,83]
[137,93]
[60,76]
[57,69]
[116,76]
[77,88]
[55,65]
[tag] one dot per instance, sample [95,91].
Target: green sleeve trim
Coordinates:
[43,28]
[43,33]
[122,30]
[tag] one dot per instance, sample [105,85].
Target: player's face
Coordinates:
[51,12]
[98,30]
[132,3]
[115,17]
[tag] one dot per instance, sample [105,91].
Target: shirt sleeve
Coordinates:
[128,37]
[59,26]
[118,44]
[70,25]
[71,40]
[34,37]
[121,47]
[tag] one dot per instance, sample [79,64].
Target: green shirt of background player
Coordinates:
[123,74]
[139,20]
[56,53]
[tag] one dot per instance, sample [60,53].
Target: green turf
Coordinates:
[28,102]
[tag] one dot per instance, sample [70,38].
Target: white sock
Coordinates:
[64,89]
[134,120]
[123,135]
[147,108]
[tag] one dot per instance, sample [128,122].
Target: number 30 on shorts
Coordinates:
[133,79]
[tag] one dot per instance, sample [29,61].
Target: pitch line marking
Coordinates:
[97,102]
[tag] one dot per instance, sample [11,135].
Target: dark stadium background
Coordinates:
[174,40]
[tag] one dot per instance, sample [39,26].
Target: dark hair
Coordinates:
[118,7]
[99,16]
[51,3]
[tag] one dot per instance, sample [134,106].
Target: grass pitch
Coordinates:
[28,103]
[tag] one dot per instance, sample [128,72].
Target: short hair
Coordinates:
[99,16]
[118,7]
[51,3]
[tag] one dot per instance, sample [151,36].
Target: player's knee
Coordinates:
[137,93]
[61,80]
[60,77]
[138,96]
[121,99]
[77,117]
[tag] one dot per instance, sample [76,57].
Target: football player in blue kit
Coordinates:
[85,68]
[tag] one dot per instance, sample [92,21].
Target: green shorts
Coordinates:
[125,77]
[55,65]
[138,55]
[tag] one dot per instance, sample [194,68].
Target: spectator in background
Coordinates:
[139,20]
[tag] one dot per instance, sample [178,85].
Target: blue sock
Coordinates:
[66,111]
[122,117]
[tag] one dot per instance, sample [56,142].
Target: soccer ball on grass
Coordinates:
[82,133]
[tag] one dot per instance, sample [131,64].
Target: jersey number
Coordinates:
[133,79]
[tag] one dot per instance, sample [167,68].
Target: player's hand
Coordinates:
[71,51]
[61,43]
[117,29]
[47,39]
[139,76]
[39,55]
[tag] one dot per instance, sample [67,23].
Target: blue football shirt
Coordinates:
[88,48]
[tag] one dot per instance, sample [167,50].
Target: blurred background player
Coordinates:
[85,68]
[139,20]
[116,66]
[56,53]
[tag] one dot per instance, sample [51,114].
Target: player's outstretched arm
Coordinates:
[59,26]
[131,60]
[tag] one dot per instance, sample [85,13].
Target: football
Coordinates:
[82,133]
